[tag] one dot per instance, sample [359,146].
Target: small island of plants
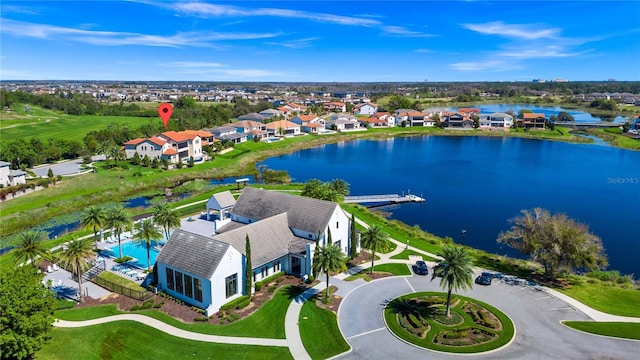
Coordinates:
[472,327]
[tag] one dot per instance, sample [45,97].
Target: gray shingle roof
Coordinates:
[194,253]
[224,199]
[270,239]
[305,213]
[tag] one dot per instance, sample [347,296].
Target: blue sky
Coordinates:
[319,40]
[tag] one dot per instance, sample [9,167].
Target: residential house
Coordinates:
[270,113]
[334,106]
[253,129]
[343,122]
[384,115]
[365,109]
[417,118]
[500,120]
[283,128]
[228,133]
[373,122]
[251,117]
[186,144]
[153,148]
[297,108]
[10,177]
[208,271]
[309,123]
[532,121]
[457,120]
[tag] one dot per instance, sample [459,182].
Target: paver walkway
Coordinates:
[291,325]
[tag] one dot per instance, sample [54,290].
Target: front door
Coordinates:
[296,264]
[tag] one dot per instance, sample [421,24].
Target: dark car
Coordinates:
[420,268]
[484,278]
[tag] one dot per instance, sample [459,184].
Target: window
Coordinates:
[170,279]
[337,224]
[188,286]
[264,272]
[276,267]
[198,289]
[231,285]
[179,282]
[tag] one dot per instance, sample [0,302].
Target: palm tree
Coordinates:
[147,231]
[94,218]
[340,186]
[375,240]
[30,247]
[455,270]
[75,258]
[166,217]
[116,153]
[326,259]
[118,220]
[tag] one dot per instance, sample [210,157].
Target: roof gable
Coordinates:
[193,253]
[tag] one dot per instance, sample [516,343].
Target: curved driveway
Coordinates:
[536,315]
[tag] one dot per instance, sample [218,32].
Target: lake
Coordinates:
[578,115]
[478,183]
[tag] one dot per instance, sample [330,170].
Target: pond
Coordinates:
[478,183]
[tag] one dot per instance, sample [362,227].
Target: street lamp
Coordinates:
[464,231]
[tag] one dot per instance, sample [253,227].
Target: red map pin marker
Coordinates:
[165,110]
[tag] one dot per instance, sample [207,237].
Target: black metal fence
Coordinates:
[111,286]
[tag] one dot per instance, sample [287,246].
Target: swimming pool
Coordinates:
[137,251]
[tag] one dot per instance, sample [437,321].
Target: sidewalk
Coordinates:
[291,326]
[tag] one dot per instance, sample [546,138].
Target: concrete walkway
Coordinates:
[291,325]
[166,328]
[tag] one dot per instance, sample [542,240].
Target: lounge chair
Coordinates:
[55,267]
[49,269]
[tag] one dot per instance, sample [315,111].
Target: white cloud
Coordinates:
[403,32]
[550,51]
[112,38]
[519,31]
[295,44]
[487,66]
[192,64]
[214,10]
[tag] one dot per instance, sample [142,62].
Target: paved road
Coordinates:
[65,168]
[536,315]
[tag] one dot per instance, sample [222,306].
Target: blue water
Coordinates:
[138,251]
[478,183]
[579,116]
[140,201]
[62,229]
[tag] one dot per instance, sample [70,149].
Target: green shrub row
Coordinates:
[147,305]
[259,284]
[239,303]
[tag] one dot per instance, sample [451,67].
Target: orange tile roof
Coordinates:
[374,120]
[285,124]
[469,110]
[135,141]
[201,133]
[154,140]
[306,117]
[179,136]
[170,151]
[532,115]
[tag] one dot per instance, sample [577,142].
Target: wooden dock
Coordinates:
[388,198]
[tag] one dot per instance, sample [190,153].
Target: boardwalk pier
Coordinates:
[388,198]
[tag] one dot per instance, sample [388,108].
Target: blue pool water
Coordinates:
[138,251]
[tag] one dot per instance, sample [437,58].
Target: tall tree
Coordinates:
[166,217]
[375,239]
[118,220]
[329,258]
[353,245]
[94,218]
[455,270]
[30,247]
[75,258]
[340,186]
[146,231]
[329,238]
[27,312]
[554,241]
[248,277]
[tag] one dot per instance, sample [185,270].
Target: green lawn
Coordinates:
[606,298]
[615,329]
[132,340]
[395,269]
[119,280]
[504,335]
[404,255]
[320,333]
[267,322]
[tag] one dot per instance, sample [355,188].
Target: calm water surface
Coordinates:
[478,183]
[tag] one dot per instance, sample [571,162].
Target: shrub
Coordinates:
[235,303]
[201,318]
[258,286]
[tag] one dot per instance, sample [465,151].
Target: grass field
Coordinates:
[266,322]
[316,323]
[606,298]
[132,340]
[47,124]
[615,329]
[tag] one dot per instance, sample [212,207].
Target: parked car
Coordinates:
[420,268]
[484,278]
